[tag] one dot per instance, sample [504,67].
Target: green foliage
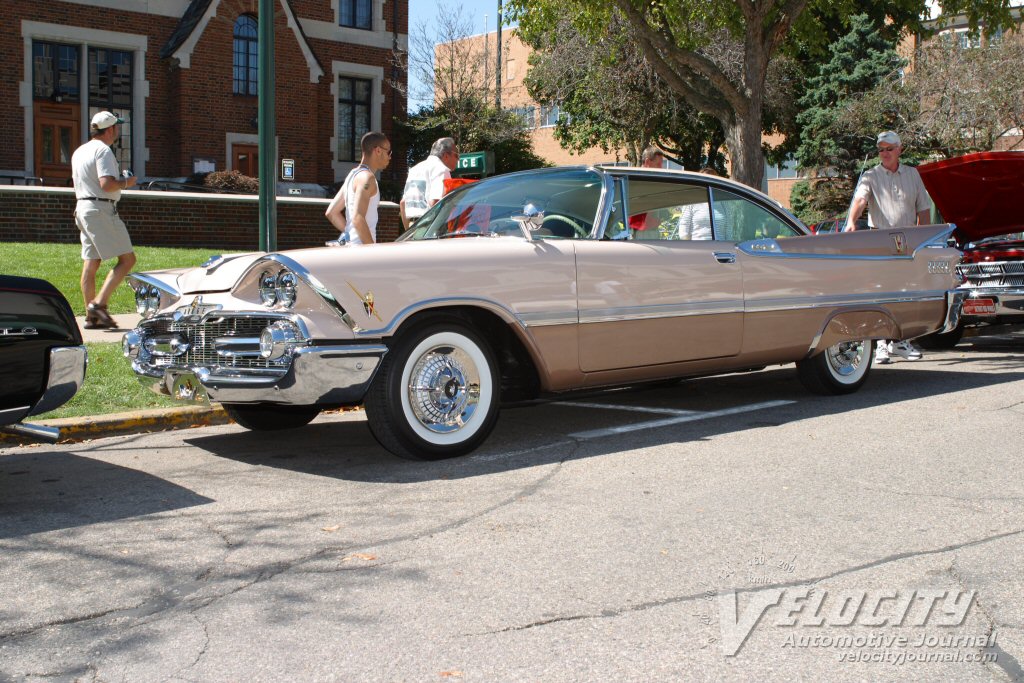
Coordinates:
[61,265]
[859,61]
[476,126]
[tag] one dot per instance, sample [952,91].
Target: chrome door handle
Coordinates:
[725,257]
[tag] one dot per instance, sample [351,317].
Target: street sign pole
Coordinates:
[265,120]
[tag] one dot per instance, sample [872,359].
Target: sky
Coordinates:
[424,12]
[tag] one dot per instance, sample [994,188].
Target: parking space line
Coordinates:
[690,416]
[634,409]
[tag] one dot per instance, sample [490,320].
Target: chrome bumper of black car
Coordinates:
[313,375]
[67,373]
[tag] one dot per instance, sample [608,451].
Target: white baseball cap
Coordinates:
[889,137]
[104,120]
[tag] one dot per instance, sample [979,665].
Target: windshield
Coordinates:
[567,199]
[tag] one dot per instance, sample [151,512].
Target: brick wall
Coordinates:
[178,219]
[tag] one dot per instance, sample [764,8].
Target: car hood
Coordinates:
[981,193]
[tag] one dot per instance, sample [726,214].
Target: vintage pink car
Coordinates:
[533,285]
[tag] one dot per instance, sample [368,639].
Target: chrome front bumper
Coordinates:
[1009,303]
[317,375]
[67,373]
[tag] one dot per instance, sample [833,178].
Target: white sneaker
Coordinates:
[882,353]
[905,349]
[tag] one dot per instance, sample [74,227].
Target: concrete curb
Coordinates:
[76,429]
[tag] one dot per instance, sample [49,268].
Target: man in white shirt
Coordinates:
[425,185]
[895,197]
[98,184]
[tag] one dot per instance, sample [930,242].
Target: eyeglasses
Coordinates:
[386,149]
[887,149]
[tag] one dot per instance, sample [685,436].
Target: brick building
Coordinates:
[183,73]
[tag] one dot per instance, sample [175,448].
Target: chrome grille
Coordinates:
[993,274]
[202,335]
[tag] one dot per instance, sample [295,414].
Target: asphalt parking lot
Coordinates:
[731,528]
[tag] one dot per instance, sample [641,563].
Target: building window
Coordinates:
[354,96]
[55,71]
[785,170]
[549,116]
[110,89]
[246,55]
[356,14]
[525,115]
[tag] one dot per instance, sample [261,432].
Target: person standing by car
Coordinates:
[425,185]
[895,197]
[98,183]
[353,211]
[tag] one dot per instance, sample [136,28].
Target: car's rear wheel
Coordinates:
[436,393]
[840,369]
[267,417]
[938,341]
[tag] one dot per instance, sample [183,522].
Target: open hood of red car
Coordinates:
[982,193]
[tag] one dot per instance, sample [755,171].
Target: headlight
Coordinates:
[268,288]
[147,300]
[279,339]
[287,288]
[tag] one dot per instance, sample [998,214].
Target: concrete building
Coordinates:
[183,74]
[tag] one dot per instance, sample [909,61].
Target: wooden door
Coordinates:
[246,160]
[57,135]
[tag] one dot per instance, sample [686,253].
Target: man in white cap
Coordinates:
[895,197]
[425,185]
[98,184]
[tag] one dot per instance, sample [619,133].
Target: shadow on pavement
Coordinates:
[541,434]
[44,491]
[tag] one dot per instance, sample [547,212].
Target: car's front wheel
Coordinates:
[266,417]
[840,369]
[436,393]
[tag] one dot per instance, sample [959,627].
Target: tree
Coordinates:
[610,97]
[678,39]
[452,68]
[861,60]
[959,97]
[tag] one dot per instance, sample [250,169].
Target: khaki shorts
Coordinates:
[104,235]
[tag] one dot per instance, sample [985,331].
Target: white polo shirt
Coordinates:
[894,197]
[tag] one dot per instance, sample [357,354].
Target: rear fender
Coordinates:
[854,325]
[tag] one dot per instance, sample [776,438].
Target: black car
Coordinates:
[42,357]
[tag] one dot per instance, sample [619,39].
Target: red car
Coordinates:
[981,194]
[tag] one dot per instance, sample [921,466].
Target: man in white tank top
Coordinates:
[353,211]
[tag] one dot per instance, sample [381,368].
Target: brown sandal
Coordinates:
[97,318]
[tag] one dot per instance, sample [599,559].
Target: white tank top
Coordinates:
[351,234]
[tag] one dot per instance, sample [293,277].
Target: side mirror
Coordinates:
[531,219]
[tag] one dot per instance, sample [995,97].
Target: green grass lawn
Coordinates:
[61,264]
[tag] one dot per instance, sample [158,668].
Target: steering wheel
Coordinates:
[578,230]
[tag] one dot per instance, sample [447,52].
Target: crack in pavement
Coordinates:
[1004,660]
[981,499]
[159,605]
[654,604]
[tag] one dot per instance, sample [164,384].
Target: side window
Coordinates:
[668,210]
[738,219]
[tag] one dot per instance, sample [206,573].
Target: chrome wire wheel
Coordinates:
[840,369]
[846,361]
[444,389]
[436,394]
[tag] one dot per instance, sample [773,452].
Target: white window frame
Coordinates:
[374,74]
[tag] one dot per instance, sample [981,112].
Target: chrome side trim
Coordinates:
[771,247]
[792,303]
[620,314]
[67,373]
[545,318]
[491,305]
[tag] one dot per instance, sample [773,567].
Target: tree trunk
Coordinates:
[743,140]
